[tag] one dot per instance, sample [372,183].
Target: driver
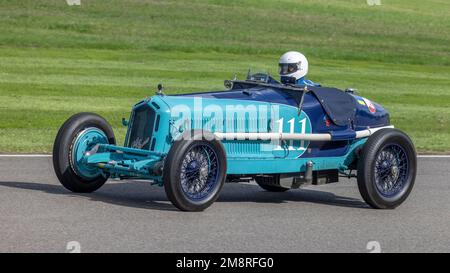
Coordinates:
[293,69]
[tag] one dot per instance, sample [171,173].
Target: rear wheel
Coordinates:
[194,172]
[79,134]
[387,169]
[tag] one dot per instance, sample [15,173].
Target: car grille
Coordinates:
[141,128]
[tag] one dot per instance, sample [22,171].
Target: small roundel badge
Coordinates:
[370,105]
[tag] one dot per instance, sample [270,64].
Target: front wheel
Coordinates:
[79,134]
[194,172]
[387,169]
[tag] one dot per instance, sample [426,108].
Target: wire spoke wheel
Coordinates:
[199,172]
[391,170]
[387,169]
[195,171]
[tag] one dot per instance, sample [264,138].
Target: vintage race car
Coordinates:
[280,136]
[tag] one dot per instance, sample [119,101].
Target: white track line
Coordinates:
[434,156]
[47,155]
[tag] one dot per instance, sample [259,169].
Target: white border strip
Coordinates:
[49,155]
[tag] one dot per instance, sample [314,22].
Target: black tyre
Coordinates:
[195,171]
[387,169]
[270,183]
[77,135]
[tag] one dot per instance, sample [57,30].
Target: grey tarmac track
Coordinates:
[38,215]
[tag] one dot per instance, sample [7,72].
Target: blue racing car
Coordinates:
[281,136]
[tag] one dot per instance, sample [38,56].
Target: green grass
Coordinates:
[103,56]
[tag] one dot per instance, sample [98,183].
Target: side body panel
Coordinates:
[178,114]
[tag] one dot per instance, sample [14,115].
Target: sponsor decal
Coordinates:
[327,121]
[361,102]
[370,105]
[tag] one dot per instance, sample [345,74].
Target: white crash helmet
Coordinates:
[293,64]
